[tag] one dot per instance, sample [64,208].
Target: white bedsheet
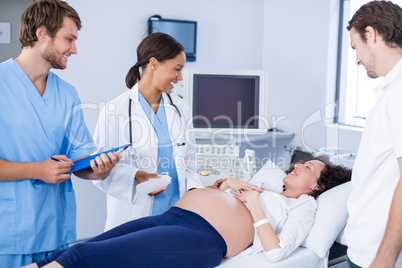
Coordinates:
[300,258]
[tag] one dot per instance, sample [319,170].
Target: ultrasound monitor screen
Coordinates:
[225,101]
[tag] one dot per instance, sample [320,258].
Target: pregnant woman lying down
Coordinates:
[206,225]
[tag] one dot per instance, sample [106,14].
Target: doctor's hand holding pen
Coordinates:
[142,176]
[53,170]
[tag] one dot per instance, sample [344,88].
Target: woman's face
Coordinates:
[168,73]
[303,177]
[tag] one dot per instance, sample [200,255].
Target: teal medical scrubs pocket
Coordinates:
[8,221]
[69,209]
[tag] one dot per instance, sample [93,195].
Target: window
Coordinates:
[355,94]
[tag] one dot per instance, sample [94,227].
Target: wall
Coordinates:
[290,39]
[296,56]
[10,11]
[227,38]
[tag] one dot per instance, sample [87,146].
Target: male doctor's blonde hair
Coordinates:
[48,13]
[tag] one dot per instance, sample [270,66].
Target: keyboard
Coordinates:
[215,162]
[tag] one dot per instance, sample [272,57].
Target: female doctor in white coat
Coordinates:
[157,126]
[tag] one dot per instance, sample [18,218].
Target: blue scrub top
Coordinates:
[166,199]
[38,217]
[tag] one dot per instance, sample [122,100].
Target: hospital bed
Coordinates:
[328,227]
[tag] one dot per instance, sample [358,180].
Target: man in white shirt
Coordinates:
[374,228]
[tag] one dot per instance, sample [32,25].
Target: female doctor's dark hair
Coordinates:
[161,46]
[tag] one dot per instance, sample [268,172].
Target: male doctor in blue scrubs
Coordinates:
[40,118]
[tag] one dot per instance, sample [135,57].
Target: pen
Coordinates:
[122,149]
[57,159]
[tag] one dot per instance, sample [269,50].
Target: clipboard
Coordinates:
[85,162]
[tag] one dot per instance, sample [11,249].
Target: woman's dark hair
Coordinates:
[160,46]
[384,16]
[331,176]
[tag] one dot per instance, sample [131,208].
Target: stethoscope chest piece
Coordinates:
[131,151]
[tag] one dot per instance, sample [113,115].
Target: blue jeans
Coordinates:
[176,238]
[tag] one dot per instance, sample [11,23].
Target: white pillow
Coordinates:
[341,238]
[269,177]
[330,219]
[331,214]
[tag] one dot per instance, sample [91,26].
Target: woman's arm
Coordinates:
[266,233]
[297,225]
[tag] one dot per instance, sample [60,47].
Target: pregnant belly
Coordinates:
[229,216]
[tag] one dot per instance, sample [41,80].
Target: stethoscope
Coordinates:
[131,151]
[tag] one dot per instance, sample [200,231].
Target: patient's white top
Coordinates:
[376,171]
[291,219]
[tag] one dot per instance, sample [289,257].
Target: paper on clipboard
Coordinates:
[85,162]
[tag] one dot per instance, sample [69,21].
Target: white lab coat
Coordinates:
[112,130]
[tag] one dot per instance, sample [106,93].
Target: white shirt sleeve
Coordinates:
[121,183]
[394,112]
[296,228]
